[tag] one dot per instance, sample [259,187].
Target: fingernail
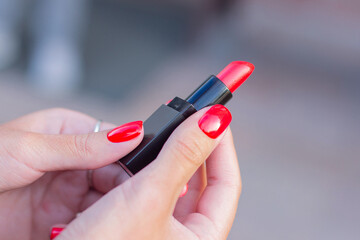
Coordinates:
[184,191]
[215,121]
[55,231]
[125,132]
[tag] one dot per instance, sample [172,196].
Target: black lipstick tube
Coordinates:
[159,126]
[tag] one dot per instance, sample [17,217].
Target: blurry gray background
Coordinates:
[295,121]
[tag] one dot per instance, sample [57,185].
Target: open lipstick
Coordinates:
[159,126]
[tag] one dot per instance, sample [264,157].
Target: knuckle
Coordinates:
[25,143]
[231,182]
[235,184]
[80,145]
[14,150]
[191,150]
[234,187]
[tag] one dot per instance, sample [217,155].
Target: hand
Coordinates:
[43,177]
[147,206]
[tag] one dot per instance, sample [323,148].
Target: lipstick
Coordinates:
[159,126]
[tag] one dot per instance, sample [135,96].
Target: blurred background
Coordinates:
[295,121]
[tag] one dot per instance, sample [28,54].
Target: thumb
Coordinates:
[87,151]
[187,148]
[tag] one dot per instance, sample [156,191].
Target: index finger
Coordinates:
[57,121]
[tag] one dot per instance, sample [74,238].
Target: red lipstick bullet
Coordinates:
[235,74]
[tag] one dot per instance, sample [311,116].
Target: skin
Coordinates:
[44,158]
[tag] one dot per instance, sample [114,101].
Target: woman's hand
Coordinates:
[43,161]
[147,206]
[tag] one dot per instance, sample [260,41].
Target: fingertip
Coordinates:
[215,121]
[184,191]
[125,132]
[107,126]
[55,231]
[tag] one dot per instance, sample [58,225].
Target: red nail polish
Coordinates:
[215,121]
[184,191]
[125,132]
[55,231]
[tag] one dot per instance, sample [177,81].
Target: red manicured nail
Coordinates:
[125,132]
[184,191]
[215,121]
[55,231]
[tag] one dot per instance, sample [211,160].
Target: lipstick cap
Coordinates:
[157,129]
